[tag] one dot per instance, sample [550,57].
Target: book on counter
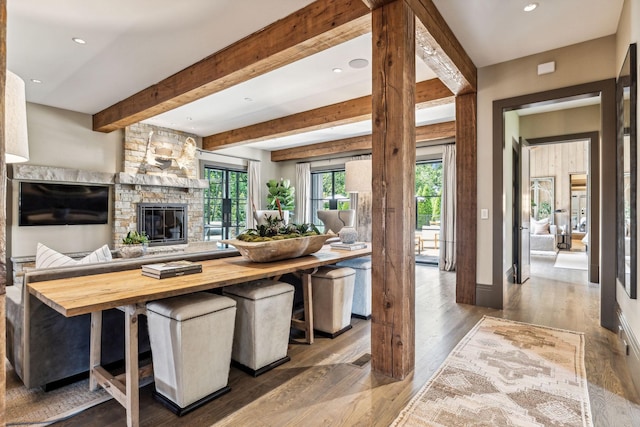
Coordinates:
[349,246]
[171,269]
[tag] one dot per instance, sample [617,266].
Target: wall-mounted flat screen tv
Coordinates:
[63,204]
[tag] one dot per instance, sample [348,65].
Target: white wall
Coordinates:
[628,32]
[63,138]
[582,63]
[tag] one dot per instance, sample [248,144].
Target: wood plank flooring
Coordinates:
[321,386]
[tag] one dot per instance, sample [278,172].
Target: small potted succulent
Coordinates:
[134,244]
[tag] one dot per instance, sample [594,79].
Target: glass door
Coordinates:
[225,203]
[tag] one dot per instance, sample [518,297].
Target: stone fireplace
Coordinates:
[168,194]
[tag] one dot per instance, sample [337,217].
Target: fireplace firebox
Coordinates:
[164,223]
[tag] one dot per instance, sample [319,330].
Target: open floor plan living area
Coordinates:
[319,212]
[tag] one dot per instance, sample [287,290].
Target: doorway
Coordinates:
[225,203]
[602,155]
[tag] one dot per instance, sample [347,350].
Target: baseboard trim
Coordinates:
[488,296]
[630,347]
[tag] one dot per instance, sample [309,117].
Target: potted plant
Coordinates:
[134,244]
[281,192]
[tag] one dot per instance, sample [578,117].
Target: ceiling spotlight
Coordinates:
[38,81]
[337,70]
[79,40]
[358,63]
[530,7]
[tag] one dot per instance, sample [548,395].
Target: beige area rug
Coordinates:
[35,407]
[572,260]
[506,373]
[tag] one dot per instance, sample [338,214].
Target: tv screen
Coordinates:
[63,204]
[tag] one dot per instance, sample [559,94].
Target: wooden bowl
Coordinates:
[276,250]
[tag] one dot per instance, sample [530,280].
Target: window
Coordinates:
[428,193]
[225,202]
[327,192]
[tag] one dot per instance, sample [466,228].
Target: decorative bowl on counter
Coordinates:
[276,250]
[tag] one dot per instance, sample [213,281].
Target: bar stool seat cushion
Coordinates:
[362,287]
[332,299]
[263,322]
[191,338]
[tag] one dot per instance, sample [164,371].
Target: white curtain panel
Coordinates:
[448,211]
[303,193]
[255,192]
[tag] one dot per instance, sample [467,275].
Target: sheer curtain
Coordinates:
[448,211]
[303,193]
[254,196]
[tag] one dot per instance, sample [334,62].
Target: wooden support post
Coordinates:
[466,195]
[393,162]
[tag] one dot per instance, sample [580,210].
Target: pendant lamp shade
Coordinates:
[15,120]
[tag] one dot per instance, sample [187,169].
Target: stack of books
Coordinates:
[349,246]
[171,269]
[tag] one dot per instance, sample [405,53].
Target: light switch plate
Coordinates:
[484,213]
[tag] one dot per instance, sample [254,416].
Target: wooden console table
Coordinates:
[130,291]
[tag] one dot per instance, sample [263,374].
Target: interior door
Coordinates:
[521,211]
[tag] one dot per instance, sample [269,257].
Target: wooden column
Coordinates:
[3,211]
[466,197]
[393,158]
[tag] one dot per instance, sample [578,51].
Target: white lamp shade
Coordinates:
[15,120]
[357,176]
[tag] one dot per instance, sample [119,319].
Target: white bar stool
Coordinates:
[191,338]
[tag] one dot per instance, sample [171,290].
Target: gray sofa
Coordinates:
[45,347]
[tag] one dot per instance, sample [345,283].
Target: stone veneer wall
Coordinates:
[144,183]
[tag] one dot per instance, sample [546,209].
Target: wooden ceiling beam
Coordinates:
[439,48]
[427,133]
[428,93]
[314,28]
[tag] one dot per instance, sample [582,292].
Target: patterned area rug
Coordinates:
[506,373]
[35,407]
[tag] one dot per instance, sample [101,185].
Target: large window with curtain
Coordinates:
[327,192]
[225,202]
[428,193]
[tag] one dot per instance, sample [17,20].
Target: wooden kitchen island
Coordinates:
[130,291]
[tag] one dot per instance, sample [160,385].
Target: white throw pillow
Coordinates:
[48,258]
[541,227]
[102,254]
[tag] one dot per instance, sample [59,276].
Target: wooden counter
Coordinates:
[130,290]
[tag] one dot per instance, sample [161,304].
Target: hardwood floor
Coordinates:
[321,386]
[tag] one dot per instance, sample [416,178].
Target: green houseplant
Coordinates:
[281,192]
[134,244]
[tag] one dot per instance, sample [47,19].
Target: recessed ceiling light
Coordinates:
[38,81]
[358,63]
[530,7]
[337,70]
[79,40]
[248,99]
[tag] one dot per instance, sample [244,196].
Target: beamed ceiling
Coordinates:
[262,79]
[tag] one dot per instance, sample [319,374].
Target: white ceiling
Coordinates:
[134,44]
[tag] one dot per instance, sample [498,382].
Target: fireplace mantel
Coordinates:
[160,181]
